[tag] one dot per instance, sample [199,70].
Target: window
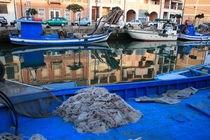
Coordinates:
[67,14]
[41,13]
[146,1]
[3,8]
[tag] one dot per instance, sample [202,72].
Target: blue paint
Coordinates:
[30,29]
[31,34]
[160,122]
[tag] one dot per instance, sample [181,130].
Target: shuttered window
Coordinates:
[3,8]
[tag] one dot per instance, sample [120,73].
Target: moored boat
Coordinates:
[168,117]
[187,73]
[163,32]
[187,32]
[32,34]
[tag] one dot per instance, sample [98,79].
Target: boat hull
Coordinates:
[150,36]
[186,73]
[54,41]
[194,37]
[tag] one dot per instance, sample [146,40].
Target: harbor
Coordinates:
[104,70]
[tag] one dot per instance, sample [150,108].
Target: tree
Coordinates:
[116,8]
[178,16]
[199,16]
[75,8]
[31,11]
[146,14]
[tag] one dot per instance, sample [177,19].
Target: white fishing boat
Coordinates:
[163,32]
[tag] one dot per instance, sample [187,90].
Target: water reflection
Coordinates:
[100,63]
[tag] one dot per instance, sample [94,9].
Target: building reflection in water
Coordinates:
[84,65]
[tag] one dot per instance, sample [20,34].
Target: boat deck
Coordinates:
[160,122]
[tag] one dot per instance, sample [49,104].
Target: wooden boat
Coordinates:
[178,121]
[31,34]
[188,33]
[195,71]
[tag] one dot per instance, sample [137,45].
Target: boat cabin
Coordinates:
[30,29]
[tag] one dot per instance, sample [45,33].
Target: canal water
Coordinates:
[101,63]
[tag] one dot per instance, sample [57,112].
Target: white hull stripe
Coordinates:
[58,40]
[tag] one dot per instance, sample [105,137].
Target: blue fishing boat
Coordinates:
[186,73]
[188,33]
[32,34]
[188,119]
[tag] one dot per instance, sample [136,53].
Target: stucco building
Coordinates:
[7,9]
[51,8]
[171,8]
[195,7]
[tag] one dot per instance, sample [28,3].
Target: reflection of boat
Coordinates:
[31,34]
[187,73]
[167,117]
[100,46]
[141,45]
[193,43]
[188,33]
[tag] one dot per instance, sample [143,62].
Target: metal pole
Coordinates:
[124,10]
[15,9]
[160,8]
[21,8]
[183,11]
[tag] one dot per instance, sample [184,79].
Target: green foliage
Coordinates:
[116,8]
[199,16]
[178,16]
[146,14]
[31,11]
[75,8]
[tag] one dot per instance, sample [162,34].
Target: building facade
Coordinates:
[48,9]
[136,9]
[7,9]
[195,7]
[171,8]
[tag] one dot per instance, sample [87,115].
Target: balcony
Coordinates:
[54,1]
[5,1]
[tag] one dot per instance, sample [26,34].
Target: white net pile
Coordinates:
[96,110]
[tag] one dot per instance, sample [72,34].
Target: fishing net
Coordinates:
[8,136]
[96,110]
[28,100]
[170,97]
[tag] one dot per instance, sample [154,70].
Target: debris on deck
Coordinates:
[96,110]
